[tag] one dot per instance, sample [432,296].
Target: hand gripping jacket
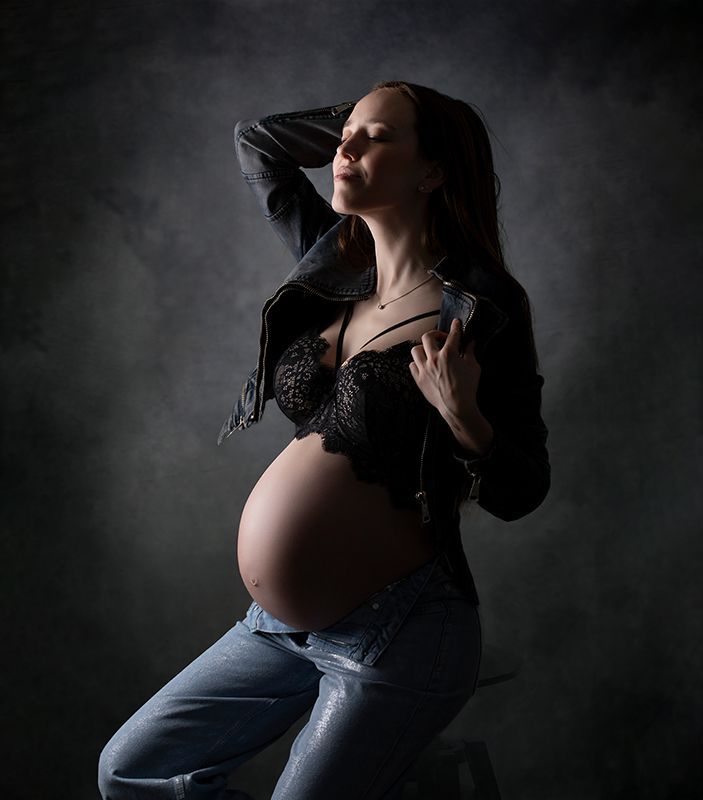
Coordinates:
[513,477]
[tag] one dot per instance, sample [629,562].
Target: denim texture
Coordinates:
[386,678]
[382,682]
[366,631]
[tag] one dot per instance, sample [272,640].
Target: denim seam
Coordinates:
[440,657]
[393,747]
[335,645]
[282,118]
[286,206]
[399,623]
[375,636]
[241,722]
[480,651]
[422,698]
[271,637]
[295,196]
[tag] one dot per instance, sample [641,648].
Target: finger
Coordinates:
[433,340]
[453,340]
[418,353]
[454,337]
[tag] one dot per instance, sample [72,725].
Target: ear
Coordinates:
[435,175]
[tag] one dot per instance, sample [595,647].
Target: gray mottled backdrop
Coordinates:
[135,266]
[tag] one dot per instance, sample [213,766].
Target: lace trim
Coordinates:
[347,423]
[364,470]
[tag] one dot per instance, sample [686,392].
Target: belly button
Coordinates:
[254,581]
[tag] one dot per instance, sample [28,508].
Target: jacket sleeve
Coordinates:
[515,473]
[271,152]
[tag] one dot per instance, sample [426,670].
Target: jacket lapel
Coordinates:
[466,285]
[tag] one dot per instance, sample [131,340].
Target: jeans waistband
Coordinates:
[403,592]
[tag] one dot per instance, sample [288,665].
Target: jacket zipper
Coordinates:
[461,289]
[337,110]
[291,285]
[241,405]
[421,495]
[317,292]
[475,483]
[476,476]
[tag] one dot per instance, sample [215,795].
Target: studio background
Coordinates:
[135,266]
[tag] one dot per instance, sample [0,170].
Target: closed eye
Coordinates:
[372,138]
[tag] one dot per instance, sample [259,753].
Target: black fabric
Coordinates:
[369,408]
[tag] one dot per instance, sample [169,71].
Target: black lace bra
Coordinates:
[369,408]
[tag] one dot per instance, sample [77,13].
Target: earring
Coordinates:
[422,188]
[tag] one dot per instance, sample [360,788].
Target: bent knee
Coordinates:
[108,770]
[133,764]
[117,773]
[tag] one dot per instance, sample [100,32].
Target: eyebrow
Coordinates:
[376,122]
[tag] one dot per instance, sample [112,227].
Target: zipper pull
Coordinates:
[422,497]
[475,483]
[337,110]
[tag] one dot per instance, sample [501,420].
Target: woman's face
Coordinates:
[380,146]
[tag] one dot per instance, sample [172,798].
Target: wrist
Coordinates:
[472,432]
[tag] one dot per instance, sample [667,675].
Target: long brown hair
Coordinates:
[462,218]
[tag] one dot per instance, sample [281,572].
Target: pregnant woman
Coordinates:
[402,350]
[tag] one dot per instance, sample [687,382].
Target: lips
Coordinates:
[345,172]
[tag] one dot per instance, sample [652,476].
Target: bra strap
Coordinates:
[340,338]
[398,324]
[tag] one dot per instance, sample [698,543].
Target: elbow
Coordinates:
[242,126]
[509,503]
[245,146]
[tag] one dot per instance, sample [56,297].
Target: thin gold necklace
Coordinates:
[383,305]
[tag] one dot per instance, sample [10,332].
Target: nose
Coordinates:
[347,149]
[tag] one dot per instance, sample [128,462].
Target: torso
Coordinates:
[313,540]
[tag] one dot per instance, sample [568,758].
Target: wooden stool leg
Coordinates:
[482,771]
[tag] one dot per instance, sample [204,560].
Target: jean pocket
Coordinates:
[347,636]
[259,620]
[428,606]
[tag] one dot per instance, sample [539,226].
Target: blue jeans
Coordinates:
[382,681]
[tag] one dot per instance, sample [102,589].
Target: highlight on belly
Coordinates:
[314,541]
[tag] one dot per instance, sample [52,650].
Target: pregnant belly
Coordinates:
[314,541]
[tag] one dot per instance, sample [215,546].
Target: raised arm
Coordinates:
[271,152]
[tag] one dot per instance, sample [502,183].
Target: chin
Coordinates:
[344,206]
[341,208]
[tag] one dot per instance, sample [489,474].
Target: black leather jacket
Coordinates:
[513,477]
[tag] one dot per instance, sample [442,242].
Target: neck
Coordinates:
[401,259]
